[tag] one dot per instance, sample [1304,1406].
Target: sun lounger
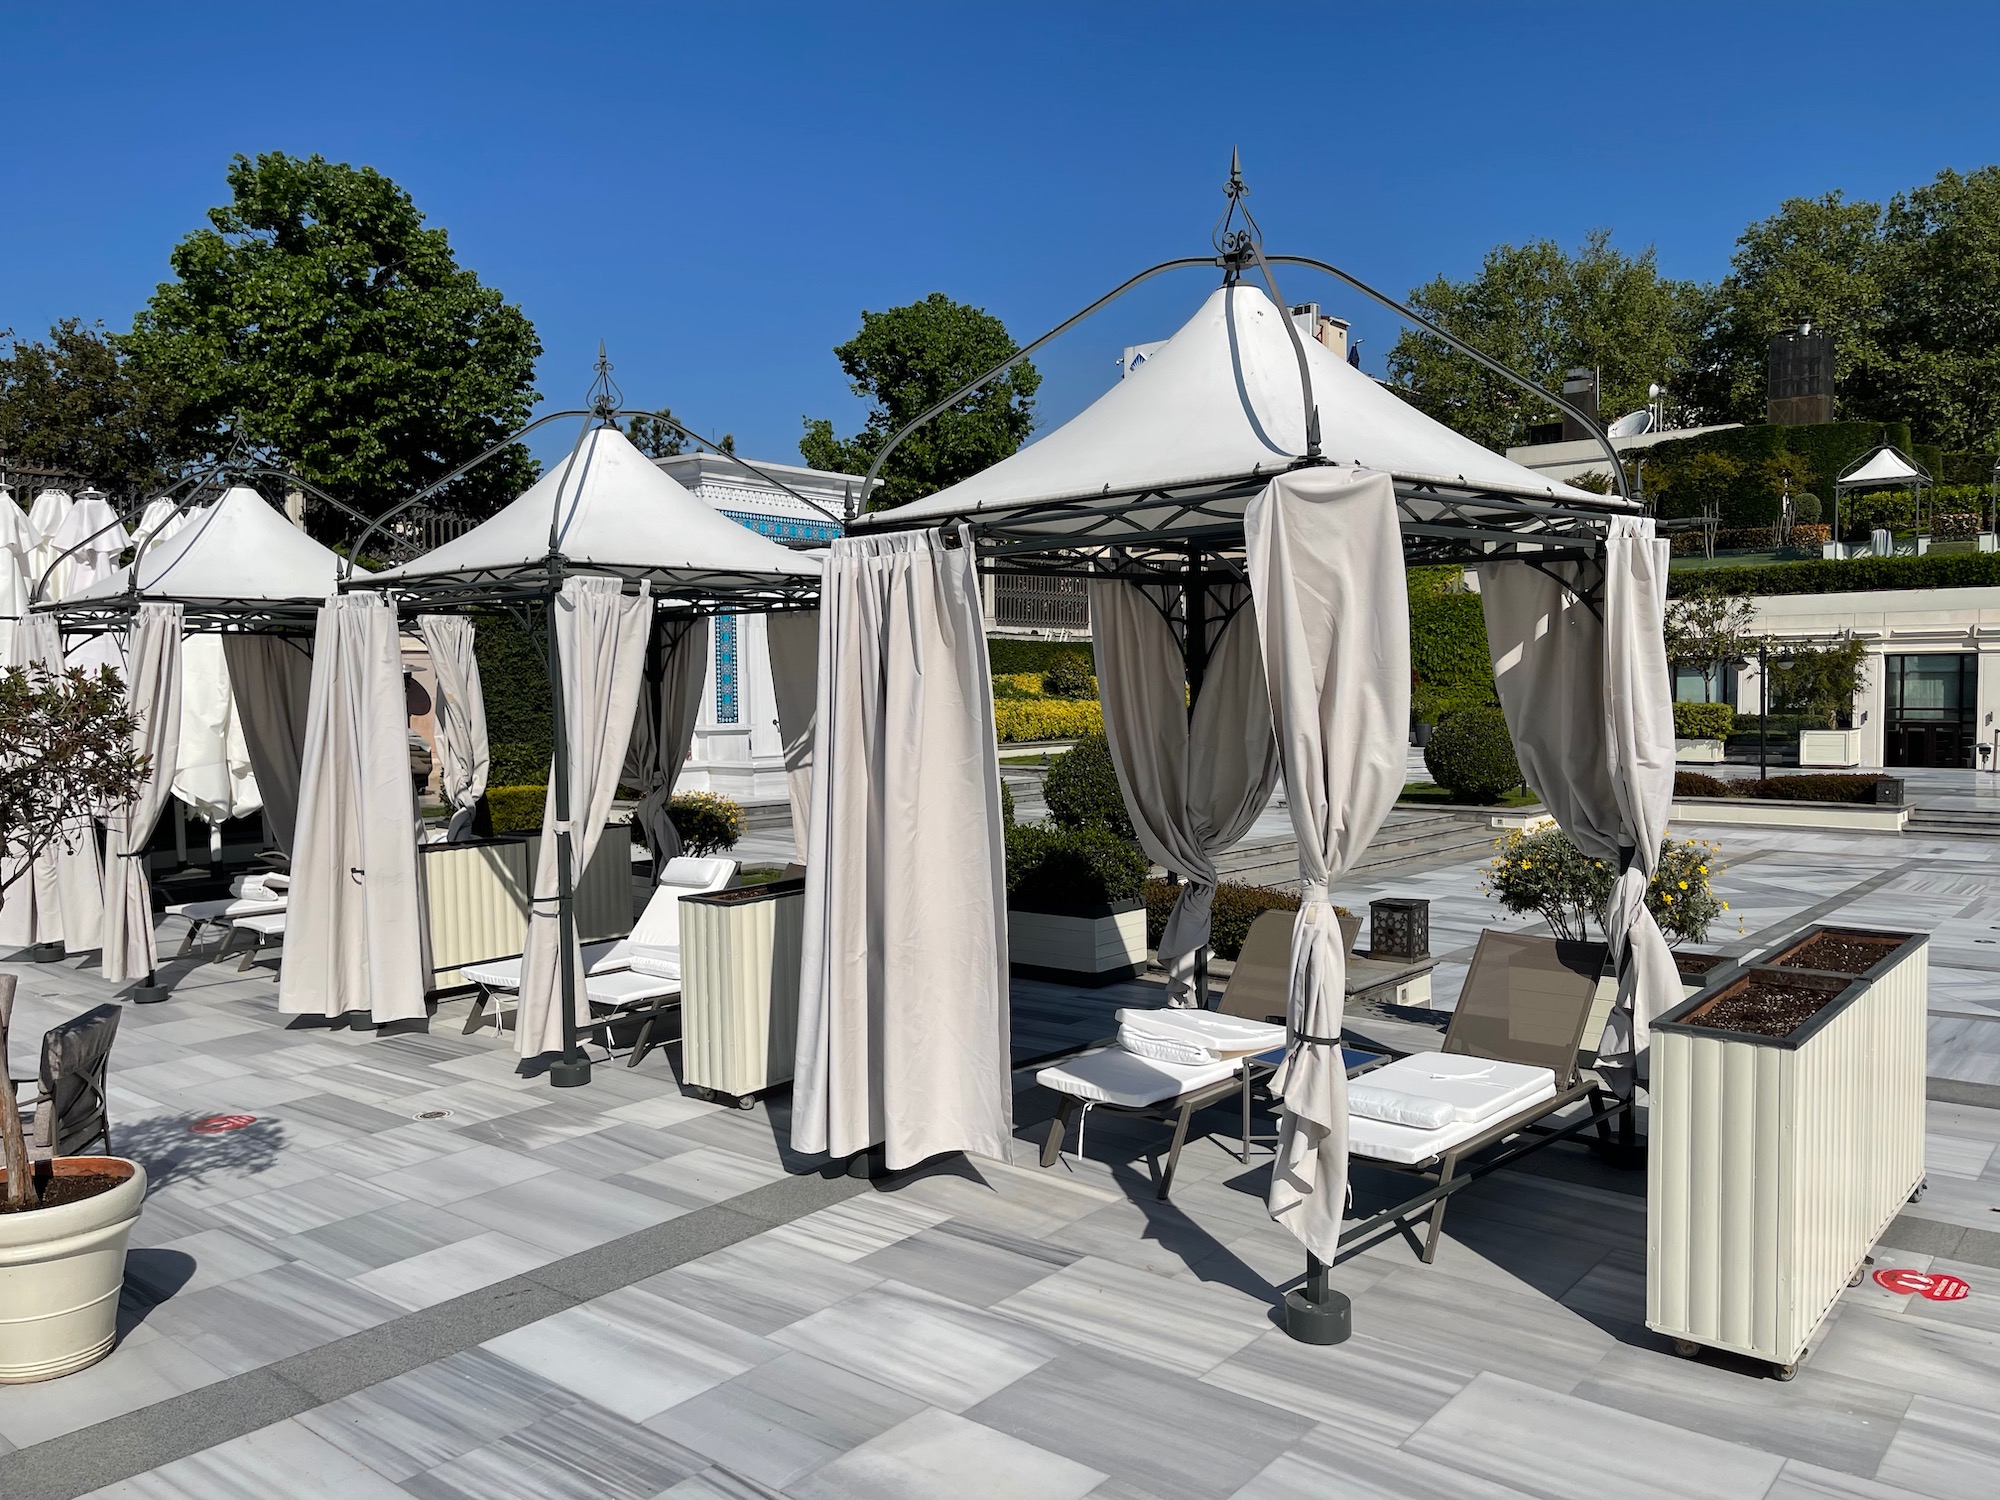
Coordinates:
[264,928]
[250,896]
[1508,1064]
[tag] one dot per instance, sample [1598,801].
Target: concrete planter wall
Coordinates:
[61,1270]
[1698,752]
[477,898]
[1775,1164]
[740,955]
[1089,948]
[1770,812]
[1829,747]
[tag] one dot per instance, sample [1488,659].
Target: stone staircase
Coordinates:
[1966,822]
[1407,839]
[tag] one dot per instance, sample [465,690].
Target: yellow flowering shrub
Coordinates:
[1019,719]
[1545,873]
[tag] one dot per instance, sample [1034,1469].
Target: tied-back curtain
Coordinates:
[18,540]
[153,691]
[1589,702]
[792,638]
[463,756]
[601,649]
[61,899]
[1325,558]
[663,727]
[1195,781]
[270,679]
[353,925]
[903,1026]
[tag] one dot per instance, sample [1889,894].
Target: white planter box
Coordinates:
[1089,950]
[61,1271]
[1765,812]
[1774,1164]
[740,955]
[1829,747]
[1989,541]
[1698,752]
[477,898]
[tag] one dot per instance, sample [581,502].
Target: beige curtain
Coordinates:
[270,678]
[1195,781]
[792,637]
[1589,701]
[353,925]
[61,900]
[663,727]
[1325,558]
[463,756]
[903,1026]
[601,649]
[153,678]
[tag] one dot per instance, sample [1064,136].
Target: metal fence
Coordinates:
[1033,601]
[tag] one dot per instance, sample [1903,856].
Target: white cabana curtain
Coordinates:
[68,882]
[1590,704]
[49,511]
[601,648]
[212,772]
[270,680]
[353,929]
[94,540]
[1325,558]
[464,758]
[792,639]
[18,541]
[153,689]
[663,729]
[1193,782]
[903,1024]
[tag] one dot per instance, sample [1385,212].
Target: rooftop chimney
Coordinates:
[1580,390]
[1801,376]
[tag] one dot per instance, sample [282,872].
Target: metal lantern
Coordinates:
[1399,927]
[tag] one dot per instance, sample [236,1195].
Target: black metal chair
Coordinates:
[71,1110]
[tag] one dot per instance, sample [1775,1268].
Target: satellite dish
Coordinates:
[1631,424]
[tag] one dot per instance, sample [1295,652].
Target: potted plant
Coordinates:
[1075,907]
[1821,680]
[1787,1131]
[1705,631]
[64,1223]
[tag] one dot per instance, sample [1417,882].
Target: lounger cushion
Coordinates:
[629,988]
[1407,1145]
[505,973]
[1432,1089]
[266,924]
[1115,1076]
[660,963]
[226,909]
[1190,1036]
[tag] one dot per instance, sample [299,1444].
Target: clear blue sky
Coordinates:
[718,192]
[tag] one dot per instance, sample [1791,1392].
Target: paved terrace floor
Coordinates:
[419,1273]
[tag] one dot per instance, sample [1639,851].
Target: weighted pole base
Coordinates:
[148,994]
[569,1072]
[1329,1321]
[868,1164]
[46,953]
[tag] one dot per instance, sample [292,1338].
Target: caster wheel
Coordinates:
[1783,1372]
[1918,1195]
[1687,1348]
[1855,1279]
[748,1101]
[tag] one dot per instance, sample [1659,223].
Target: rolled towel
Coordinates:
[1161,1046]
[656,962]
[1393,1107]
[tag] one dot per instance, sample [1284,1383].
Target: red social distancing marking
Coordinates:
[221,1124]
[1938,1287]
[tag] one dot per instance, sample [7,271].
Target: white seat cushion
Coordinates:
[1175,1034]
[505,973]
[1407,1145]
[266,924]
[627,987]
[1433,1089]
[660,962]
[1115,1076]
[227,910]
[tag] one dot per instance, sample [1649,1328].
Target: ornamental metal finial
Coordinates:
[1233,242]
[605,396]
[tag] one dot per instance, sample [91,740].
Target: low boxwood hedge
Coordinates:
[1704,721]
[1051,868]
[1026,719]
[1236,907]
[1807,787]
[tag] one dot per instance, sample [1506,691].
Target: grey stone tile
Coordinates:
[699,1177]
[1803,1481]
[1184,1326]
[949,1355]
[463,1174]
[138,1373]
[1163,1434]
[719,1484]
[283,1459]
[1362,1385]
[581,1453]
[1332,1461]
[1461,1324]
[562,1213]
[452,1270]
[252,1321]
[1567,1449]
[1912,1354]
[761,1285]
[311,1204]
[1945,1450]
[936,1453]
[968,1263]
[435,1414]
[350,1247]
[859,1227]
[606,1152]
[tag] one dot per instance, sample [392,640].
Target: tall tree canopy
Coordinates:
[320,313]
[75,403]
[1543,311]
[906,360]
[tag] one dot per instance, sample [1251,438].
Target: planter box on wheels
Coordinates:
[1777,1160]
[1094,947]
[740,956]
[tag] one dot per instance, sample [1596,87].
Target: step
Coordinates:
[1968,822]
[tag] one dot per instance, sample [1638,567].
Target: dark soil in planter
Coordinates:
[1766,1004]
[1839,952]
[69,1188]
[1698,963]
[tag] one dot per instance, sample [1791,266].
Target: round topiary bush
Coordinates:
[1069,677]
[1472,756]
[1082,789]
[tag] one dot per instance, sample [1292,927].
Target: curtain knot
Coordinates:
[1313,893]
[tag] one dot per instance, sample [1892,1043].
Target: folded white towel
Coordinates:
[1393,1107]
[1162,1046]
[658,962]
[1217,1036]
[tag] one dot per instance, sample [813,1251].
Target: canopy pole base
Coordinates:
[1315,1313]
[569,1072]
[46,953]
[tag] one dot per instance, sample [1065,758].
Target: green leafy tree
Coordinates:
[1706,629]
[75,402]
[1820,679]
[320,313]
[1543,311]
[906,360]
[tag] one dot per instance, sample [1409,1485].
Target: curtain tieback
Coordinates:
[1295,1038]
[1313,893]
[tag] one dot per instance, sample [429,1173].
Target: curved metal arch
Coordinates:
[721,452]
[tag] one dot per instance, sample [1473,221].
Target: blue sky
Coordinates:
[718,192]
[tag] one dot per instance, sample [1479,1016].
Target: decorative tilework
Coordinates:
[784,528]
[725,669]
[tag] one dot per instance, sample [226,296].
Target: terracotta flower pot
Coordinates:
[61,1270]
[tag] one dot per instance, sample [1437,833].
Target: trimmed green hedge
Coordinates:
[1472,755]
[1828,787]
[516,809]
[1070,869]
[1953,570]
[1008,655]
[514,681]
[1236,907]
[1818,453]
[1448,656]
[1703,721]
[1082,788]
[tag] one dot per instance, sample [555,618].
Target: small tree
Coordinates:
[1821,678]
[1705,630]
[1545,873]
[65,748]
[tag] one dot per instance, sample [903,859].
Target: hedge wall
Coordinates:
[514,679]
[1952,570]
[1823,450]
[1008,655]
[1448,653]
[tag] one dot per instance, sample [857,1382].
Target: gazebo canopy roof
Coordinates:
[237,562]
[1887,465]
[615,514]
[1177,448]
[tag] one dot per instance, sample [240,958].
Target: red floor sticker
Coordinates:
[1937,1287]
[221,1124]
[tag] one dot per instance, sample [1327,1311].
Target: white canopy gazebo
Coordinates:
[1888,467]
[1242,474]
[624,568]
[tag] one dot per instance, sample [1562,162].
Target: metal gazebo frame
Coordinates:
[1917,481]
[518,589]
